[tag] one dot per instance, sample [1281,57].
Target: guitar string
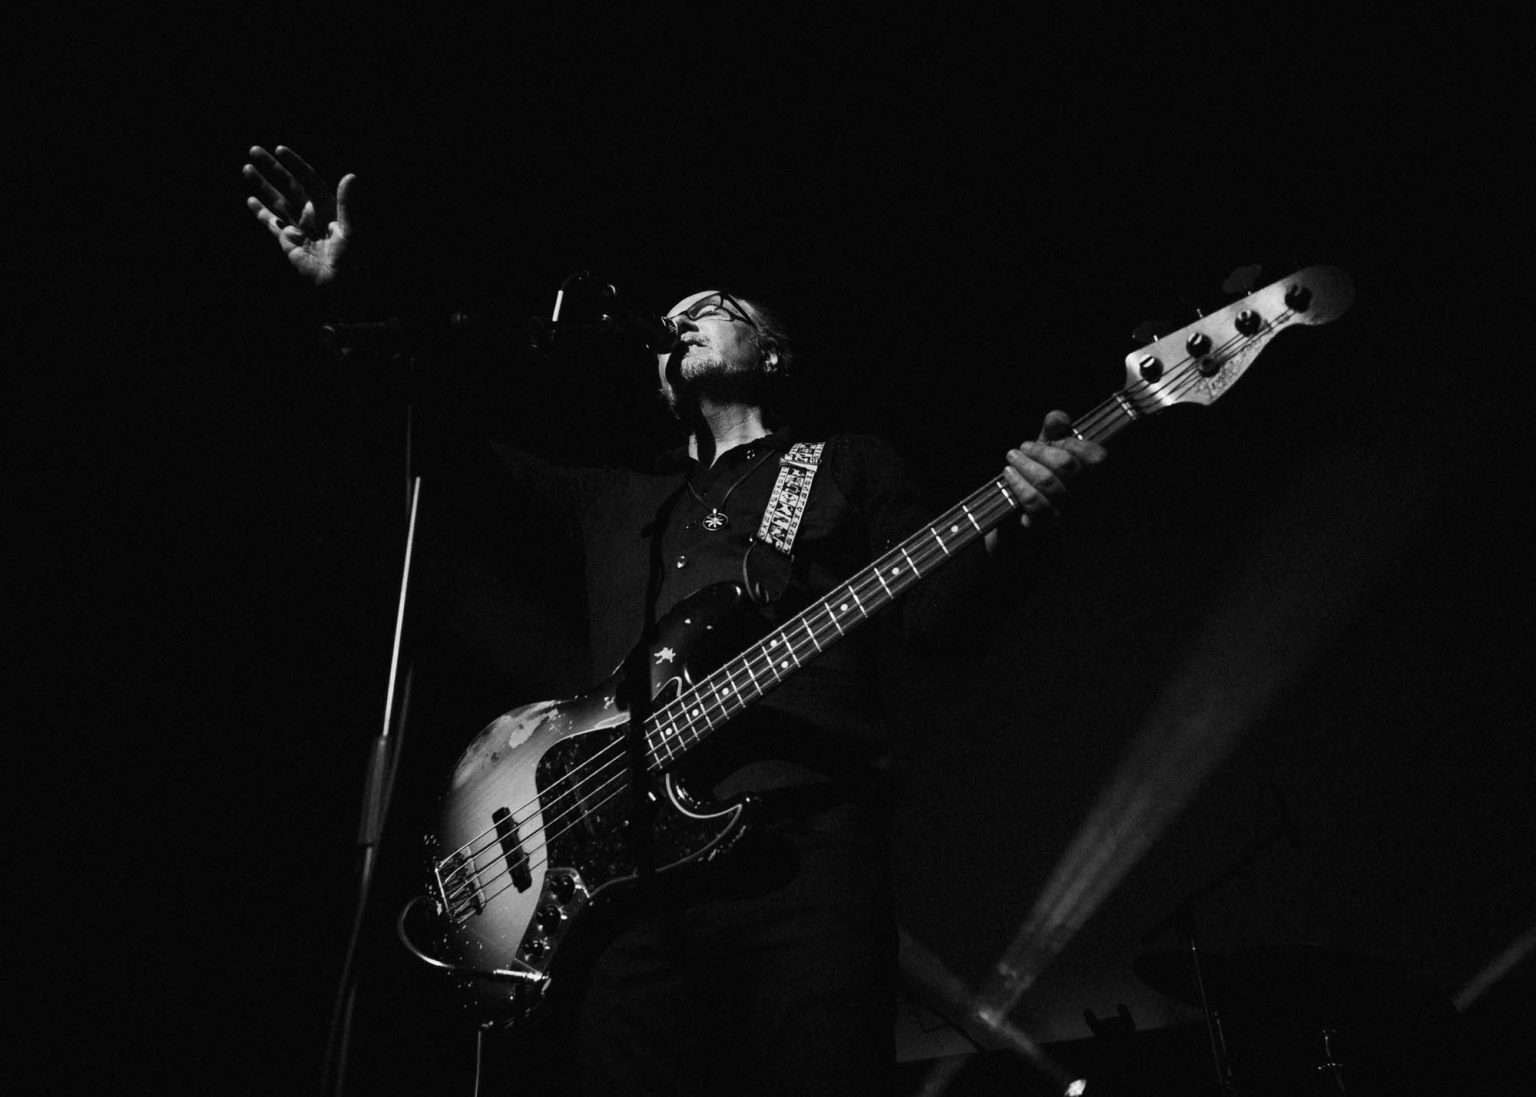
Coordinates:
[619,782]
[532,867]
[710,694]
[582,804]
[702,694]
[713,696]
[686,711]
[607,787]
[611,788]
[1180,378]
[675,712]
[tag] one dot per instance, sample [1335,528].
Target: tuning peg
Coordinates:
[1243,281]
[1151,331]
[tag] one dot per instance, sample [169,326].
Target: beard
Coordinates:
[701,373]
[699,365]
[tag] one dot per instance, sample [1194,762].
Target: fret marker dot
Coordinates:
[785,663]
[843,607]
[896,571]
[954,529]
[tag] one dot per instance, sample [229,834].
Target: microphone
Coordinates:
[657,334]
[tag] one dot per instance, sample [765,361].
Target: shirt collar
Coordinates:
[677,460]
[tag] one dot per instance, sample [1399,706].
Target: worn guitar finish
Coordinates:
[549,806]
[555,807]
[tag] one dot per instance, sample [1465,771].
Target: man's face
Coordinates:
[718,345]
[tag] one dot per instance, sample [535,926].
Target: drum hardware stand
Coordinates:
[1184,919]
[1221,1062]
[1330,1065]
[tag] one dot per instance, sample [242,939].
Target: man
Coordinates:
[775,974]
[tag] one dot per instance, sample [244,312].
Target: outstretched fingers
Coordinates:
[343,203]
[290,237]
[266,196]
[299,169]
[310,186]
[275,224]
[276,183]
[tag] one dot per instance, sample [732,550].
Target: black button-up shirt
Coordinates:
[642,538]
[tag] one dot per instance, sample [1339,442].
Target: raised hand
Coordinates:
[309,220]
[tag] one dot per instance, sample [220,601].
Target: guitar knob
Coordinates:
[533,948]
[1248,322]
[1198,344]
[549,916]
[561,886]
[1151,368]
[1298,298]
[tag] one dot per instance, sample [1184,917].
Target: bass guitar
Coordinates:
[556,809]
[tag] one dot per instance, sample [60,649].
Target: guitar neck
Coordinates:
[678,726]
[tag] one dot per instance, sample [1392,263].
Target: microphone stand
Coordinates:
[379,775]
[384,754]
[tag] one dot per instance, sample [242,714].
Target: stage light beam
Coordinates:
[1277,611]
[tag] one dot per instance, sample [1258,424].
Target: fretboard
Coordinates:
[681,724]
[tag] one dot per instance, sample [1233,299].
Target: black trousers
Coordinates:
[774,973]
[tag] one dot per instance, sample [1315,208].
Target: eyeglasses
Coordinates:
[720,306]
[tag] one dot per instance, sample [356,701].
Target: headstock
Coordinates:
[1198,363]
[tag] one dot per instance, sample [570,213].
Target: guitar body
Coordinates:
[548,823]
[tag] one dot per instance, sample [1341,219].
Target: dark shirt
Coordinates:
[641,538]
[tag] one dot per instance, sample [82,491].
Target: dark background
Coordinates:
[967,218]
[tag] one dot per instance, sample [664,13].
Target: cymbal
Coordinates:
[1308,984]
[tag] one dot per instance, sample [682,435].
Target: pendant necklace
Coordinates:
[717,520]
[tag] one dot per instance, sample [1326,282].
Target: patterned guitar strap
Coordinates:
[781,519]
